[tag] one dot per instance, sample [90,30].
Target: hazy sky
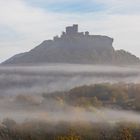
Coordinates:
[26,23]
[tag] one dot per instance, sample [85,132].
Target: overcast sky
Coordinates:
[26,23]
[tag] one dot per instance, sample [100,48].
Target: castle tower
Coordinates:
[75,28]
[72,30]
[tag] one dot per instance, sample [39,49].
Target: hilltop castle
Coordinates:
[77,47]
[73,32]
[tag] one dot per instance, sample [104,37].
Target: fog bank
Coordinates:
[58,77]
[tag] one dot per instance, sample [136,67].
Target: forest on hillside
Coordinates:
[119,96]
[80,106]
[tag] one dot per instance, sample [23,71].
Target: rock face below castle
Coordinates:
[75,47]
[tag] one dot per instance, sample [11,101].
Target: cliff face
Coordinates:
[75,47]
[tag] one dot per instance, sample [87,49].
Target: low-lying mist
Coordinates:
[73,115]
[30,108]
[54,77]
[21,90]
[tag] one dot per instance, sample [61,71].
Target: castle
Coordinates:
[73,32]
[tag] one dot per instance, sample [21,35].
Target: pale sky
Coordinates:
[26,23]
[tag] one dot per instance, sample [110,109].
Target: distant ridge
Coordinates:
[75,47]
